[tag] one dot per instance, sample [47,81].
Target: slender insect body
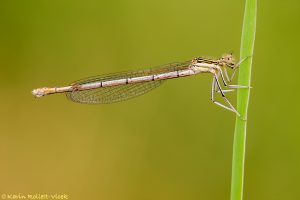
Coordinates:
[188,72]
[206,68]
[167,75]
[63,89]
[122,86]
[113,82]
[141,79]
[133,80]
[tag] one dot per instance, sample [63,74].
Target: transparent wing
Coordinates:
[112,94]
[135,73]
[118,93]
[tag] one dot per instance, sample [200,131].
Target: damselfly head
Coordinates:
[227,60]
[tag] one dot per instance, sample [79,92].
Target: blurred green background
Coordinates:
[172,143]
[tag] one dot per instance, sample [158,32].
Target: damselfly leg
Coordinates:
[236,66]
[215,82]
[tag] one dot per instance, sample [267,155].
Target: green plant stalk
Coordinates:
[239,143]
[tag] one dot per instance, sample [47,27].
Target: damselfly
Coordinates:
[125,85]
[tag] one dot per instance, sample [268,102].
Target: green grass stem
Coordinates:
[239,143]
